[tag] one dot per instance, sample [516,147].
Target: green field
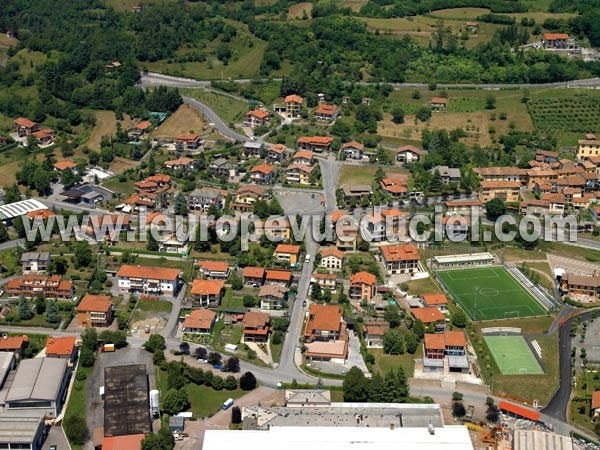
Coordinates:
[490,293]
[513,356]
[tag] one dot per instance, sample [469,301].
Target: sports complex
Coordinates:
[485,291]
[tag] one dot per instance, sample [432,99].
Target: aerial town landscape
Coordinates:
[284,224]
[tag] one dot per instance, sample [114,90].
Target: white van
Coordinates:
[307,259]
[228,404]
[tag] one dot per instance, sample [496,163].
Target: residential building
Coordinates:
[44,137]
[546,156]
[502,174]
[282,277]
[140,129]
[32,284]
[257,118]
[34,262]
[315,143]
[303,157]
[396,187]
[362,286]
[188,142]
[25,127]
[575,284]
[448,349]
[183,162]
[95,311]
[463,207]
[207,293]
[40,214]
[331,258]
[14,344]
[326,281]
[263,173]
[276,153]
[214,270]
[374,331]
[358,192]
[200,321]
[299,174]
[246,196]
[400,258]
[540,175]
[65,164]
[507,191]
[62,347]
[454,226]
[559,41]
[252,149]
[326,113]
[430,316]
[287,252]
[407,154]
[588,147]
[256,327]
[253,276]
[39,384]
[448,174]
[148,280]
[127,441]
[595,405]
[324,323]
[439,301]
[293,104]
[221,167]
[203,198]
[353,150]
[438,103]
[472,27]
[277,229]
[272,296]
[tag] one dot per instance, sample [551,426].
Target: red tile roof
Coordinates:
[326,110]
[278,275]
[65,164]
[42,214]
[24,122]
[158,273]
[400,252]
[500,184]
[95,303]
[214,266]
[332,251]
[353,144]
[263,168]
[278,148]
[288,248]
[519,411]
[363,278]
[143,125]
[455,339]
[434,341]
[293,98]
[200,318]
[207,287]
[409,148]
[315,140]
[253,272]
[305,154]
[323,317]
[13,342]
[555,36]
[256,320]
[183,161]
[434,299]
[60,346]
[440,100]
[596,399]
[427,315]
[126,442]
[260,113]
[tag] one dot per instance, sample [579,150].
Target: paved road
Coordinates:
[212,117]
[157,79]
[330,171]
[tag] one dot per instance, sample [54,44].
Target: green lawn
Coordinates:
[384,363]
[490,293]
[276,350]
[362,174]
[78,400]
[155,306]
[206,401]
[423,286]
[512,355]
[227,108]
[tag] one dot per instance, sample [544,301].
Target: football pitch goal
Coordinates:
[513,356]
[490,293]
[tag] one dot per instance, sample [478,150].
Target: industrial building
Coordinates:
[126,402]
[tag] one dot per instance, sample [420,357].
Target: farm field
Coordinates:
[479,292]
[473,13]
[513,356]
[185,120]
[227,108]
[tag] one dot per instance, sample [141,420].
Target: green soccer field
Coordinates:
[490,293]
[513,356]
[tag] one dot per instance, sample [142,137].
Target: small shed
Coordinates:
[176,423]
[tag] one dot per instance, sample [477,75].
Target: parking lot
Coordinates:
[294,202]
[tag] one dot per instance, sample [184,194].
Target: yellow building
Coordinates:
[507,191]
[588,147]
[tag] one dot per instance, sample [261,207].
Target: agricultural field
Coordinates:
[490,293]
[567,117]
[185,120]
[106,125]
[471,14]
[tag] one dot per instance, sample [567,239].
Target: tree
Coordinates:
[393,342]
[398,115]
[490,102]
[155,342]
[52,312]
[236,415]
[87,357]
[492,414]
[412,342]
[184,348]
[217,383]
[423,113]
[459,319]
[418,328]
[376,391]
[326,297]
[277,337]
[214,358]
[392,316]
[495,208]
[247,381]
[200,353]
[249,301]
[230,383]
[355,386]
[40,303]
[315,293]
[76,429]
[236,282]
[152,244]
[176,375]
[457,396]
[175,401]
[25,312]
[458,409]
[180,205]
[232,365]
[83,254]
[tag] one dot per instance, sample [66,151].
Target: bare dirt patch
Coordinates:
[297,11]
[185,120]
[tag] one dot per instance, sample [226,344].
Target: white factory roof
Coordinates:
[37,379]
[19,208]
[340,438]
[540,440]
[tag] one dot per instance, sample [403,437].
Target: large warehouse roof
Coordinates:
[340,438]
[19,429]
[540,440]
[126,403]
[37,379]
[20,208]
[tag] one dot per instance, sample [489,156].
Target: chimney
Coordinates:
[392,426]
[431,429]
